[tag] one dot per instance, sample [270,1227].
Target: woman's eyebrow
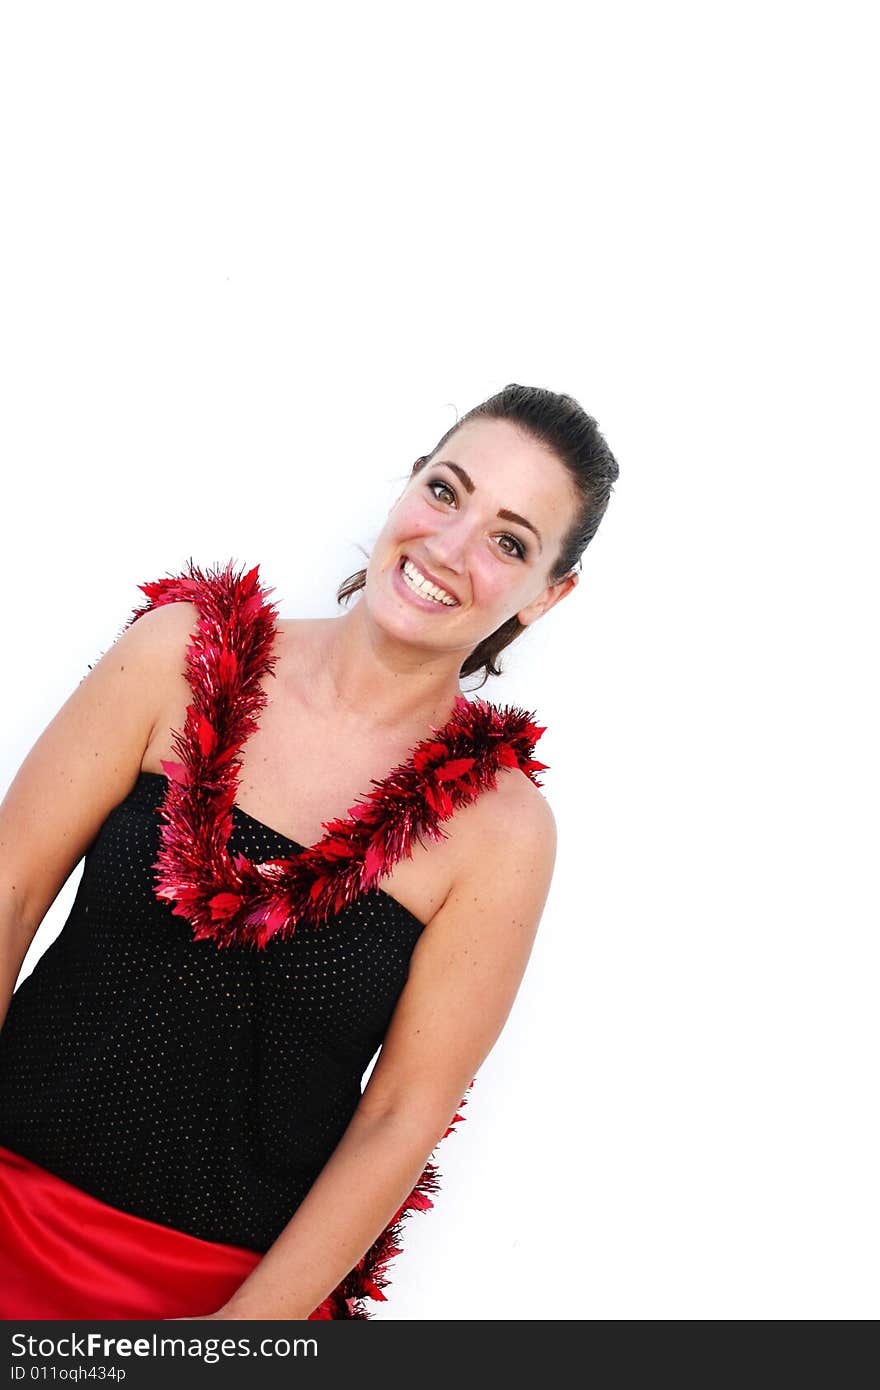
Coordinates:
[505,515]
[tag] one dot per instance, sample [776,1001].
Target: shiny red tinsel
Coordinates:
[235,901]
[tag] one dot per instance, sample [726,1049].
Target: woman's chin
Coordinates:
[401,622]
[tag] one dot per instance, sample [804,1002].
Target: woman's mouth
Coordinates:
[419,589]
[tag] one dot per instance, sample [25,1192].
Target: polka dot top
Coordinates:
[155,1059]
[203,1089]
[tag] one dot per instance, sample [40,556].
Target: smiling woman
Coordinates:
[182,1127]
[536,446]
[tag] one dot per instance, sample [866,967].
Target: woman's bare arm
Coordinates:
[14,943]
[83,764]
[464,976]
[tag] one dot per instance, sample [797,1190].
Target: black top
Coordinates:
[197,1087]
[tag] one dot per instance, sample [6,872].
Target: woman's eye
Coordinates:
[518,548]
[438,482]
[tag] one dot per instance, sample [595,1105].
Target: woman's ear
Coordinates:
[549,598]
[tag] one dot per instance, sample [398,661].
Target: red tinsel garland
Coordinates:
[235,901]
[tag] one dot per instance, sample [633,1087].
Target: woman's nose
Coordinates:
[447,550]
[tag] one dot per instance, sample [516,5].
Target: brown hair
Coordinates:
[560,423]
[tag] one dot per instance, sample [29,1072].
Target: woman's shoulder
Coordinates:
[507,825]
[519,808]
[503,850]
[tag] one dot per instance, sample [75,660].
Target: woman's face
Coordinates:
[483,523]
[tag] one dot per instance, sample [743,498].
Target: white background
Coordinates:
[256,259]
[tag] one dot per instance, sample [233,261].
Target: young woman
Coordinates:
[264,904]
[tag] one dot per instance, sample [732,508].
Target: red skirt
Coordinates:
[64,1254]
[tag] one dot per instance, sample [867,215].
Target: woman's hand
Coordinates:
[209,1317]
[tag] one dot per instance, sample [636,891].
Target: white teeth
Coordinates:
[417,581]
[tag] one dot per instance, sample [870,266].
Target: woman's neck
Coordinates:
[367,676]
